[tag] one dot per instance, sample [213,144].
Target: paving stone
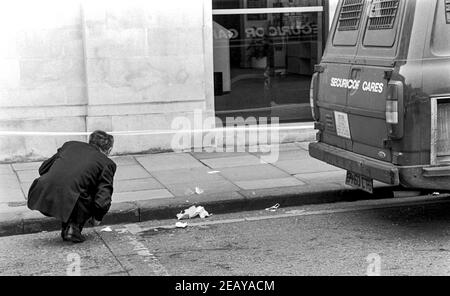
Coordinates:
[26,166]
[27,176]
[136,185]
[209,155]
[168,161]
[269,183]
[124,160]
[323,177]
[11,194]
[26,187]
[141,195]
[303,166]
[9,182]
[188,189]
[129,172]
[304,145]
[186,176]
[5,208]
[254,172]
[290,154]
[5,169]
[227,162]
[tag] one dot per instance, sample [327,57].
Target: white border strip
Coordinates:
[267,10]
[162,132]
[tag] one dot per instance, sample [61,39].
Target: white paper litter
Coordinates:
[273,208]
[198,190]
[181,225]
[213,172]
[193,212]
[106,229]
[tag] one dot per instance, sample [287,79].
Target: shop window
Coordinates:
[264,56]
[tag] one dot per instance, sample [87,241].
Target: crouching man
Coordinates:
[76,185]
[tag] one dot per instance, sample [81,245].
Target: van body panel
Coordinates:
[409,53]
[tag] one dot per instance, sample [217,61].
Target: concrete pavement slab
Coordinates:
[9,182]
[228,162]
[323,177]
[27,176]
[6,169]
[26,166]
[141,195]
[253,172]
[136,185]
[303,145]
[206,187]
[191,175]
[209,155]
[168,161]
[130,172]
[302,166]
[11,195]
[269,183]
[124,160]
[293,155]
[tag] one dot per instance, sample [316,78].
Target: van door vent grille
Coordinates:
[447,11]
[382,14]
[350,15]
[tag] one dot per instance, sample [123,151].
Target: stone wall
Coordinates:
[70,66]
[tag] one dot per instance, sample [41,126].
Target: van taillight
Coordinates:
[394,109]
[312,97]
[392,112]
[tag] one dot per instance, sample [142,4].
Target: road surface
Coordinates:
[385,237]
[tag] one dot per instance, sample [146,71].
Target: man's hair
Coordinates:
[101,140]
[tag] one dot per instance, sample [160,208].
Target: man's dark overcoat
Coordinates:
[77,169]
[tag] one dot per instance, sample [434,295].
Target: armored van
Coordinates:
[380,96]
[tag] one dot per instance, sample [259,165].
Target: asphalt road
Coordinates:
[384,237]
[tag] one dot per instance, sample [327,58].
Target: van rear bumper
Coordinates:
[369,167]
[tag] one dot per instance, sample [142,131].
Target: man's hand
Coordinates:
[95,222]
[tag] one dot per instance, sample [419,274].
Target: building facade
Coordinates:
[70,67]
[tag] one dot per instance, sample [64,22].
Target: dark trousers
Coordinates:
[81,213]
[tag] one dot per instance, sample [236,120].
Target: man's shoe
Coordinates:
[64,230]
[74,234]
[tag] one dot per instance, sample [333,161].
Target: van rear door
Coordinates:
[359,122]
[375,61]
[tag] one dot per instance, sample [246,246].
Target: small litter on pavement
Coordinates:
[273,208]
[193,212]
[181,224]
[435,194]
[198,190]
[106,229]
[213,172]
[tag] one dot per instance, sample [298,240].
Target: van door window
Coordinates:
[348,23]
[440,40]
[381,25]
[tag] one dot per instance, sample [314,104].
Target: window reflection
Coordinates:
[263,62]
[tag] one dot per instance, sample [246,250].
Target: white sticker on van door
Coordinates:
[342,126]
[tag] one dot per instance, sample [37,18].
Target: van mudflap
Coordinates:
[350,161]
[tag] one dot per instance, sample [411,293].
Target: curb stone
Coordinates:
[27,222]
